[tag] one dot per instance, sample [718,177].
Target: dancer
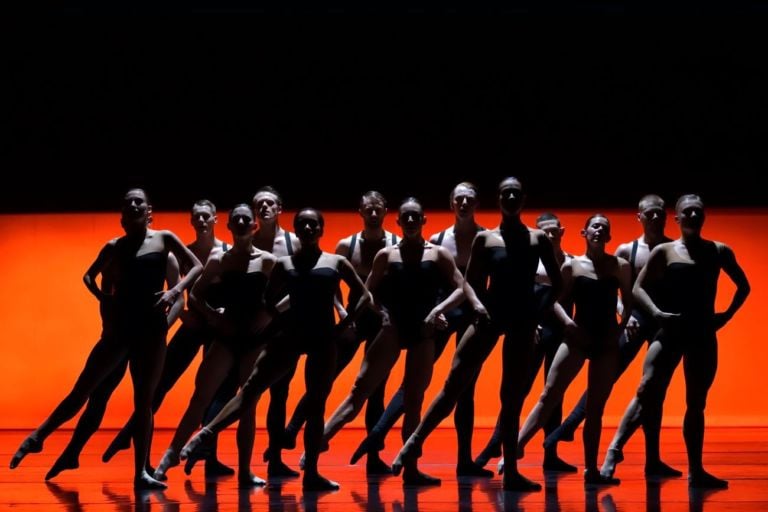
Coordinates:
[502,268]
[193,334]
[406,280]
[138,306]
[240,275]
[360,249]
[458,240]
[90,420]
[310,277]
[591,282]
[550,334]
[678,287]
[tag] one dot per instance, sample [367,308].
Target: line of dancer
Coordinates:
[270,296]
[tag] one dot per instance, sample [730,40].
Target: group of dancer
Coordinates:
[259,303]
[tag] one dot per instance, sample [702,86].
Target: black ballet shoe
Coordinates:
[704,480]
[471,469]
[63,463]
[250,480]
[367,446]
[612,458]
[119,443]
[29,445]
[278,469]
[318,483]
[515,482]
[146,482]
[595,478]
[214,468]
[374,466]
[419,479]
[491,451]
[410,450]
[660,469]
[555,463]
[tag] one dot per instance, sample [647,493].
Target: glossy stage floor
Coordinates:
[737,454]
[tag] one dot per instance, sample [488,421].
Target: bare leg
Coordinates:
[418,373]
[102,360]
[601,376]
[146,364]
[272,363]
[472,351]
[700,365]
[212,372]
[377,363]
[318,376]
[89,421]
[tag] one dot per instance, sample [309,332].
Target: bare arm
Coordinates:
[97,267]
[475,275]
[625,286]
[186,259]
[378,270]
[447,266]
[565,295]
[172,276]
[199,292]
[547,257]
[652,272]
[736,273]
[356,287]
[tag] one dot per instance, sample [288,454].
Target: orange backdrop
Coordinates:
[50,322]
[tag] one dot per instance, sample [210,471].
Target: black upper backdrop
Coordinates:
[323,112]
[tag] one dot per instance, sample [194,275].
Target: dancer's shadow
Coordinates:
[278,501]
[372,502]
[70,498]
[698,497]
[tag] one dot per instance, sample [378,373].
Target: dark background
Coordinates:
[591,110]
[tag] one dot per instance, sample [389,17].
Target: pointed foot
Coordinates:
[492,451]
[119,443]
[613,457]
[64,462]
[29,445]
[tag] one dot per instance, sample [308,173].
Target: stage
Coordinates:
[739,455]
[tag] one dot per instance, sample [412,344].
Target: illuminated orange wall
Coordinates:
[50,322]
